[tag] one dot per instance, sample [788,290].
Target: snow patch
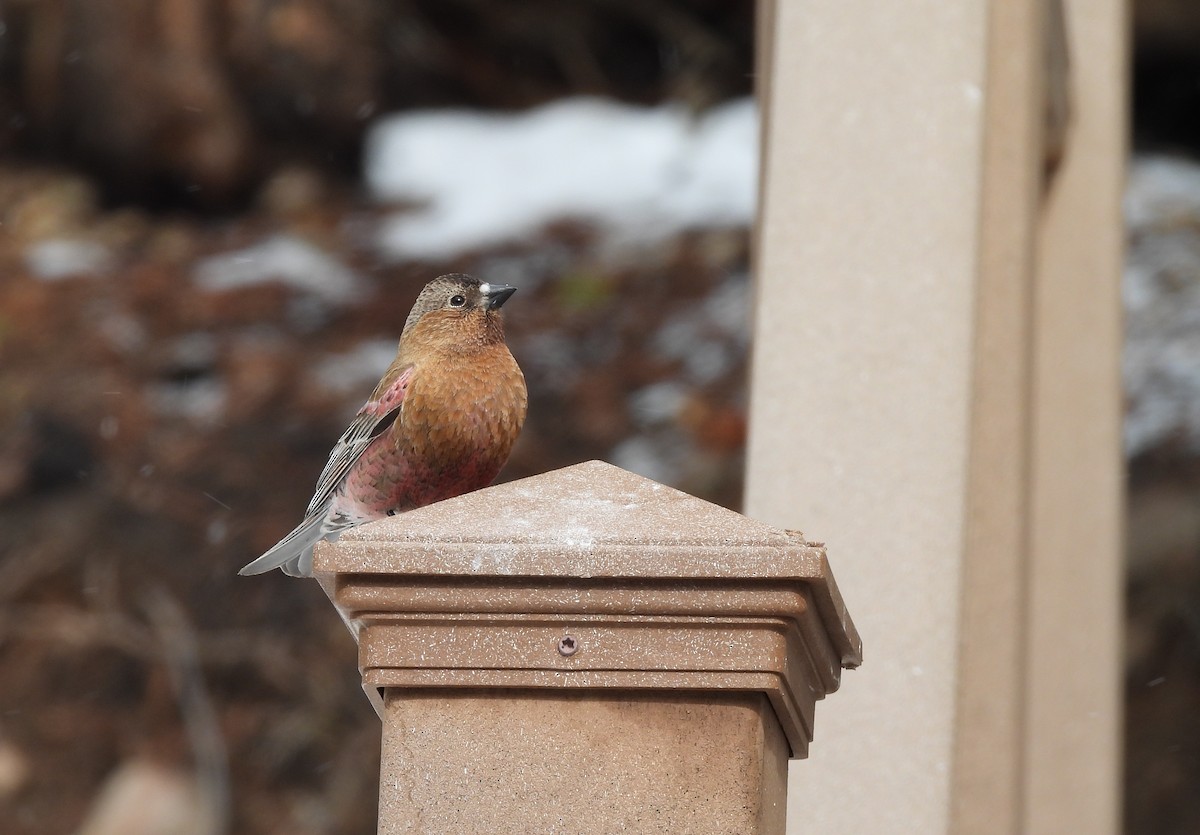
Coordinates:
[285,259]
[1161,292]
[356,370]
[1163,191]
[59,258]
[649,458]
[202,402]
[486,178]
[658,403]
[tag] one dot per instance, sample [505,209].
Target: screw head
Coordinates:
[567,646]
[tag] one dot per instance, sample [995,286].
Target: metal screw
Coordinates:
[567,646]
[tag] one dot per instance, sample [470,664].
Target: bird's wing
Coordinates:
[372,420]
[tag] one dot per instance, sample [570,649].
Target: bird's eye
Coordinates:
[457,301]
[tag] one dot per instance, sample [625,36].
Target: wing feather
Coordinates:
[372,420]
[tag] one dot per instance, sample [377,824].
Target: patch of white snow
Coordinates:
[288,260]
[1161,292]
[356,370]
[59,258]
[486,178]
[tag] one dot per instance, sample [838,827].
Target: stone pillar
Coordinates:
[936,387]
[588,651]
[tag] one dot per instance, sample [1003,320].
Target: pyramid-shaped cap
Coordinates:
[590,520]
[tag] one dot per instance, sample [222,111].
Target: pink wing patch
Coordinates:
[391,399]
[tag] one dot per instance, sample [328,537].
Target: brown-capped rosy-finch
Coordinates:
[440,423]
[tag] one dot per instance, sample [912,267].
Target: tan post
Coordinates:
[936,385]
[588,651]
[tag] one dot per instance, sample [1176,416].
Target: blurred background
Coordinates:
[214,217]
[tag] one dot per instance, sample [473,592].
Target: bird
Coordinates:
[441,422]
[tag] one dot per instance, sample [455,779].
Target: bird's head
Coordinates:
[458,307]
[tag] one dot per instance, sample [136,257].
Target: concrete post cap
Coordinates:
[592,577]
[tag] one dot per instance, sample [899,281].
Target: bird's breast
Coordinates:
[459,421]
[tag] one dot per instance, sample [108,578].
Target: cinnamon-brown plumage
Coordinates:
[440,423]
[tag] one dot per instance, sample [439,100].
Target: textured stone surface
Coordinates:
[590,521]
[581,763]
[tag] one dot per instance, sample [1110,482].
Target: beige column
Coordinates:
[935,388]
[532,761]
[588,651]
[1073,704]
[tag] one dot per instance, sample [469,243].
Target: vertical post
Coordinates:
[988,754]
[1072,769]
[936,366]
[860,384]
[588,651]
[530,761]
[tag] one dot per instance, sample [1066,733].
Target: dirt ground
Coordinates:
[155,436]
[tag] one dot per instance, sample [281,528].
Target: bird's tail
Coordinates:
[294,552]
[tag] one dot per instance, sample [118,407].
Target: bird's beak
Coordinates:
[497,294]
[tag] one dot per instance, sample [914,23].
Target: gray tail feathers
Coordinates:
[294,552]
